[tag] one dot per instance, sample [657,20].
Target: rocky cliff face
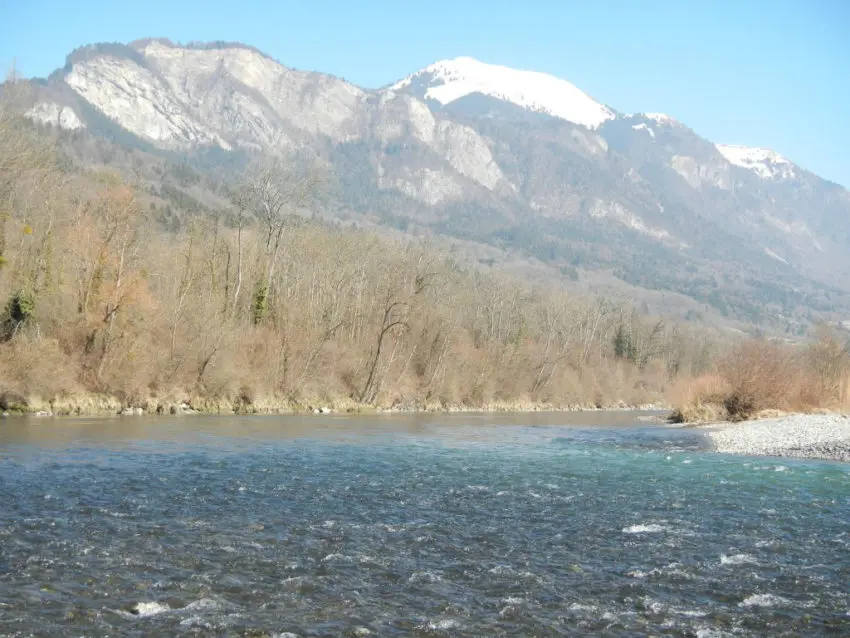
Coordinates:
[509,158]
[232,96]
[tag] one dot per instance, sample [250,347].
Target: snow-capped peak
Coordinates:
[659,118]
[450,80]
[763,162]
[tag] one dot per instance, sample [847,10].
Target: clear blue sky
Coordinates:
[773,74]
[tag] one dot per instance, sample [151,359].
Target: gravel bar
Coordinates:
[805,436]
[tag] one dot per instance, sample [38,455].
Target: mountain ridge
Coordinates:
[631,194]
[138,46]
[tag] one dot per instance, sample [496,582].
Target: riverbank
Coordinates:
[105,405]
[805,436]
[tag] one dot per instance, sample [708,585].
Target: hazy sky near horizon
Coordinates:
[753,72]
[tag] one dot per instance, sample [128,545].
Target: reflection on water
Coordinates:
[462,525]
[101,431]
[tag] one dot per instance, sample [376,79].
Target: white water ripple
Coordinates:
[738,559]
[764,600]
[652,528]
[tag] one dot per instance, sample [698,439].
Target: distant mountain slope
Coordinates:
[516,160]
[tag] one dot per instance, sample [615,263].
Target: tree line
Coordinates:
[254,307]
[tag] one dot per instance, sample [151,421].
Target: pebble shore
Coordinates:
[805,436]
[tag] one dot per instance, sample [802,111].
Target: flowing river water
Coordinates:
[397,525]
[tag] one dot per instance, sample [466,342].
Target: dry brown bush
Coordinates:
[37,367]
[827,363]
[758,375]
[755,375]
[699,398]
[762,375]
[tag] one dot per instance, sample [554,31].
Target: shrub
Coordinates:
[827,361]
[14,401]
[698,399]
[761,375]
[19,311]
[740,405]
[260,304]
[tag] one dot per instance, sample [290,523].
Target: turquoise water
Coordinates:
[463,526]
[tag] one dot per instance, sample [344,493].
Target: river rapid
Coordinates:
[412,525]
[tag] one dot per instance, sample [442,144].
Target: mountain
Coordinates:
[512,163]
[763,162]
[451,80]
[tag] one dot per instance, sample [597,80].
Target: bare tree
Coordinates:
[21,151]
[277,190]
[560,328]
[828,358]
[116,253]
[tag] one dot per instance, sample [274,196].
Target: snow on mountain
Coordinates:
[773,255]
[763,162]
[450,80]
[644,127]
[659,118]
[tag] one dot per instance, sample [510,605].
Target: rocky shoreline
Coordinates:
[803,436]
[104,405]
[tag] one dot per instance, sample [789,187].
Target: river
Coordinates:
[397,525]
